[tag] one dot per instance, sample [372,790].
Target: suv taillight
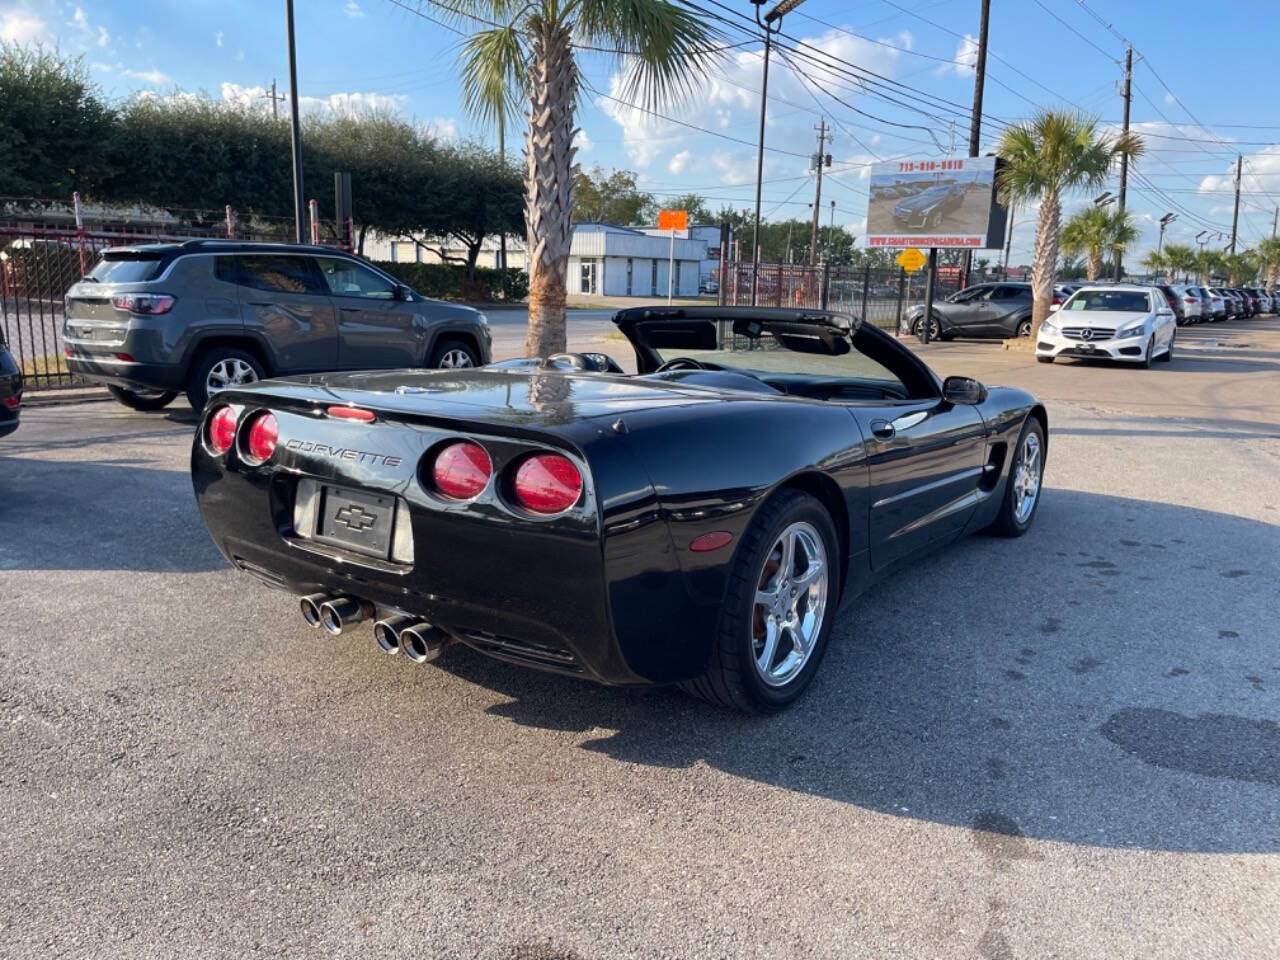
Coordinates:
[547,483]
[148,304]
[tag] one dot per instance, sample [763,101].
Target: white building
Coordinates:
[708,233]
[604,259]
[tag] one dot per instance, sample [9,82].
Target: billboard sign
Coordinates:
[950,202]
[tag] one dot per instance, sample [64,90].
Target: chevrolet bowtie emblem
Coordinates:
[355,517]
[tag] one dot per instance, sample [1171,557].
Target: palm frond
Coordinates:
[664,48]
[493,74]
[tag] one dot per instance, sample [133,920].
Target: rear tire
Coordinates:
[218,368]
[142,399]
[768,679]
[453,355]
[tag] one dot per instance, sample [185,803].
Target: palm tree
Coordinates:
[1095,232]
[1240,267]
[1157,263]
[1052,154]
[1206,263]
[1181,259]
[1269,254]
[527,52]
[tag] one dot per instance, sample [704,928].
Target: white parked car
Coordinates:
[1124,322]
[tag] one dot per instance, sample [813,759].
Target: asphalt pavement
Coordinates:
[1064,745]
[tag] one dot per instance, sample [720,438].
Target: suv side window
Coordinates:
[227,269]
[280,273]
[1011,293]
[346,278]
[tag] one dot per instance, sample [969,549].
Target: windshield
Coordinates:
[777,358]
[1120,301]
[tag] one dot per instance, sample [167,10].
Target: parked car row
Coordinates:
[1196,304]
[10,389]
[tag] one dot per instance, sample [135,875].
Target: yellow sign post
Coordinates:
[911,259]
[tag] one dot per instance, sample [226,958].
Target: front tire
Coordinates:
[453,355]
[1146,356]
[935,328]
[1024,328]
[219,368]
[142,399]
[784,586]
[1022,489]
[1168,354]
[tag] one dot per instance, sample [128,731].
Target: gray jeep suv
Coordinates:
[155,319]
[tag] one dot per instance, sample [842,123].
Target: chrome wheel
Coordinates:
[454,359]
[1026,478]
[232,372]
[791,600]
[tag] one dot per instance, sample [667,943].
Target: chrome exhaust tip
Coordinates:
[422,642]
[310,606]
[341,612]
[387,632]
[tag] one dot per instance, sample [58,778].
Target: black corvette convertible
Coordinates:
[698,522]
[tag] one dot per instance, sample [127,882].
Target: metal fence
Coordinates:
[879,295]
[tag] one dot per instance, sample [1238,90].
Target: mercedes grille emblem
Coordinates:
[1086,333]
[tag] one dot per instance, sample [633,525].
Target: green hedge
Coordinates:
[444,281]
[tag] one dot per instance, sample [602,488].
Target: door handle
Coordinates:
[261,303]
[909,420]
[882,429]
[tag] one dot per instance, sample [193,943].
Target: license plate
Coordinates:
[1086,348]
[356,520]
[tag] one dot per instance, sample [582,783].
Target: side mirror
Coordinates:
[963,390]
[401,292]
[1055,307]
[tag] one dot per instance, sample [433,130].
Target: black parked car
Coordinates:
[10,389]
[204,315]
[928,208]
[698,522]
[983,310]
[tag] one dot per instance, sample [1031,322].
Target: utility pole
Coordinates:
[1235,217]
[502,162]
[275,100]
[817,197]
[1275,221]
[1124,157]
[299,205]
[975,121]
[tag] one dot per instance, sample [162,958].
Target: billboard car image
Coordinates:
[933,203]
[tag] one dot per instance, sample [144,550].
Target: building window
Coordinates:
[630,271]
[677,283]
[588,273]
[654,292]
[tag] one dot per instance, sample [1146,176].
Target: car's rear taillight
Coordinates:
[144,303]
[547,483]
[13,402]
[222,430]
[1189,299]
[260,444]
[461,470]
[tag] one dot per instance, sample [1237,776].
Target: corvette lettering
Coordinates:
[343,453]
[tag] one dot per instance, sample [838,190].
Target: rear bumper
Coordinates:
[539,594]
[127,373]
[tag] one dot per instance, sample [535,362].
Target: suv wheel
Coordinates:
[218,368]
[142,399]
[453,354]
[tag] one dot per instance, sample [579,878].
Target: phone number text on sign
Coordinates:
[929,166]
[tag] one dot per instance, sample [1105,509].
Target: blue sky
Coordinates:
[1201,91]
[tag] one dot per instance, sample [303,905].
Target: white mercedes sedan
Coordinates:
[1125,322]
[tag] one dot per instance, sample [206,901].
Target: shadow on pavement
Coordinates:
[1110,679]
[68,515]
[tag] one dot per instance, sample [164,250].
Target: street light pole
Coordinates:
[295,127]
[771,24]
[1167,219]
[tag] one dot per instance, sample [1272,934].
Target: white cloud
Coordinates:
[679,162]
[966,57]
[80,19]
[97,67]
[1170,99]
[442,128]
[103,37]
[217,38]
[23,26]
[583,142]
[352,10]
[256,97]
[154,77]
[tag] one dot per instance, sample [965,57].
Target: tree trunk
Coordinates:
[1273,275]
[473,254]
[1044,259]
[360,247]
[549,152]
[1095,266]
